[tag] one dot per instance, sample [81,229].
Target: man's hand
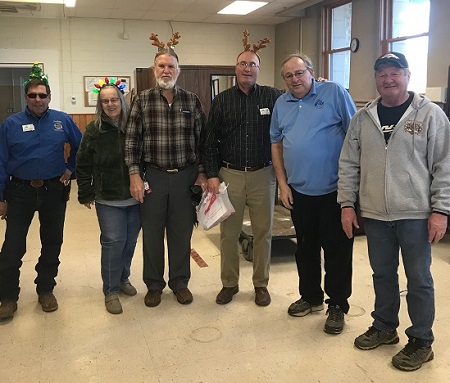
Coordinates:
[213,185]
[3,210]
[65,177]
[202,181]
[437,227]
[286,197]
[137,187]
[348,220]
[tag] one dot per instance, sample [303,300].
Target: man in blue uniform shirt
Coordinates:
[34,176]
[307,132]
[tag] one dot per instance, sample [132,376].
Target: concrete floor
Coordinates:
[202,342]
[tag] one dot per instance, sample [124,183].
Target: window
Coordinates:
[338,27]
[406,27]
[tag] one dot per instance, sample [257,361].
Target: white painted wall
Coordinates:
[73,48]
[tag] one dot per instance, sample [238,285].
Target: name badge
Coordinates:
[264,112]
[28,127]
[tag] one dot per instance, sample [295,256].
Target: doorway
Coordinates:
[12,78]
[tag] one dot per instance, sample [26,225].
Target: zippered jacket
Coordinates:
[407,178]
[101,170]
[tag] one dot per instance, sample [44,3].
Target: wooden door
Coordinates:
[195,78]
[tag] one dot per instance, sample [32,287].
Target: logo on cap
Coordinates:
[395,58]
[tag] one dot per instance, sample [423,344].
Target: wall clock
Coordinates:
[354,45]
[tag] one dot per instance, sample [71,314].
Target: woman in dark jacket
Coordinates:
[102,177]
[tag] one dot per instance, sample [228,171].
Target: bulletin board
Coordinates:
[90,98]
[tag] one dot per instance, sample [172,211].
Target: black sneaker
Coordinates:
[335,321]
[301,308]
[373,338]
[413,356]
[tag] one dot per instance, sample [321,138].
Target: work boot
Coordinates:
[7,309]
[48,302]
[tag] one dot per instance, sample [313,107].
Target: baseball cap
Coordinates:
[395,58]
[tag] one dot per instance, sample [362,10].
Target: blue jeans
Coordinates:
[384,240]
[119,227]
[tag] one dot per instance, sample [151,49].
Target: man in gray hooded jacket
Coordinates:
[396,158]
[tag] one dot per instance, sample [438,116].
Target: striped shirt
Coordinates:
[166,136]
[238,128]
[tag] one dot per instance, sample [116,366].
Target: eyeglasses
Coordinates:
[245,64]
[106,101]
[34,95]
[297,74]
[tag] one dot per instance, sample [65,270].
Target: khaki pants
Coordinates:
[257,191]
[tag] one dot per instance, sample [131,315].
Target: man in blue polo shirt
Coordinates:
[307,131]
[34,176]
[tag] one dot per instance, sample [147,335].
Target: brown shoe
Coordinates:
[112,304]
[262,297]
[7,309]
[226,295]
[48,302]
[184,296]
[128,289]
[153,298]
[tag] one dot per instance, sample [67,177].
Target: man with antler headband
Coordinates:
[237,151]
[307,131]
[34,176]
[161,151]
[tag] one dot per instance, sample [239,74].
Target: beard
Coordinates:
[166,84]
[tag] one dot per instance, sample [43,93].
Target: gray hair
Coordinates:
[166,51]
[123,103]
[301,56]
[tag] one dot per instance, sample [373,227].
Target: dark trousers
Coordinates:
[23,201]
[168,211]
[317,222]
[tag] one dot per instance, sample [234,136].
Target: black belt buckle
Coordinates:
[37,183]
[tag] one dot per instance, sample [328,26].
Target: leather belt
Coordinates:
[34,183]
[170,171]
[227,165]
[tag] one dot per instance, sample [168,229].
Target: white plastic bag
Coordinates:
[214,208]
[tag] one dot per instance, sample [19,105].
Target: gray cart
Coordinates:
[282,228]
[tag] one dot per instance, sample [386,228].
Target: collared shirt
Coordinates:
[312,130]
[163,135]
[33,147]
[238,128]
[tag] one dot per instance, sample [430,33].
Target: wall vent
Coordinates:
[14,8]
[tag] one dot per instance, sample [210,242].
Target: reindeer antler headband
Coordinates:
[161,46]
[256,47]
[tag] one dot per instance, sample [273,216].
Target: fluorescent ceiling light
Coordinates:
[242,7]
[67,3]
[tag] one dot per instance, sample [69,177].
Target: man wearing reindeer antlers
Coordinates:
[236,150]
[161,151]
